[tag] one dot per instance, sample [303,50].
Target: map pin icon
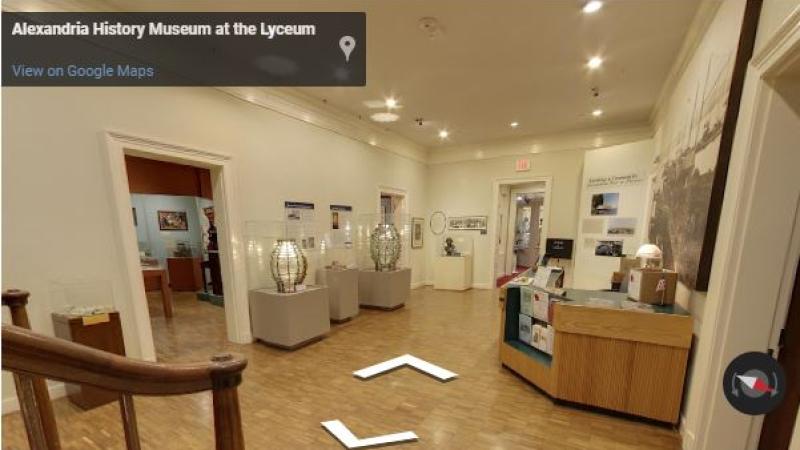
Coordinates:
[347,44]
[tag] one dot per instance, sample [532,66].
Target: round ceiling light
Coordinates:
[592,6]
[595,62]
[443,134]
[384,117]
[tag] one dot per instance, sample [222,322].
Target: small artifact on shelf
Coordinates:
[336,265]
[182,250]
[288,266]
[384,247]
[80,311]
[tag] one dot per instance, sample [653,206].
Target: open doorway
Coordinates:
[521,226]
[176,234]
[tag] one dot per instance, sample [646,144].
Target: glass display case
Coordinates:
[338,241]
[383,241]
[451,244]
[289,240]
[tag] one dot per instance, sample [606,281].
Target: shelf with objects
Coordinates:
[596,348]
[287,310]
[382,245]
[339,269]
[452,269]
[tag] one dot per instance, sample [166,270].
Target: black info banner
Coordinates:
[184,49]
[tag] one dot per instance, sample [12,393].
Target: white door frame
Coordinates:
[511,226]
[394,191]
[745,306]
[492,232]
[231,250]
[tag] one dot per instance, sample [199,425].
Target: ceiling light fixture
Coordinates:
[592,6]
[443,134]
[391,102]
[384,117]
[514,124]
[597,112]
[595,62]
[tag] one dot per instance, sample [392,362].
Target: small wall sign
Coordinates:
[522,165]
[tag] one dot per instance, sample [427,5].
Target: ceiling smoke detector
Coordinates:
[431,27]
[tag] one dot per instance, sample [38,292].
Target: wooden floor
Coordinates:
[285,395]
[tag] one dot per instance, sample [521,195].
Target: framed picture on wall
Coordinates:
[468,223]
[172,221]
[416,231]
[605,204]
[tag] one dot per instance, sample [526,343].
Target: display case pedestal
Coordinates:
[342,292]
[453,273]
[384,290]
[289,320]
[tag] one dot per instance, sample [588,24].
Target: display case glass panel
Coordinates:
[383,241]
[261,239]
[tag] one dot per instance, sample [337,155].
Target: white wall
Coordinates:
[591,271]
[465,188]
[57,206]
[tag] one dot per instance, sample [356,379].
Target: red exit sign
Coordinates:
[522,165]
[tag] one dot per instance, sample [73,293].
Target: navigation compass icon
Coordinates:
[754,383]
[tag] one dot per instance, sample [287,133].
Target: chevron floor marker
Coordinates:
[423,366]
[338,430]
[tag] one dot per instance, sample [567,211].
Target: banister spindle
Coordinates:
[16,300]
[129,422]
[227,417]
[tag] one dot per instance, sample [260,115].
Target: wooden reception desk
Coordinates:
[611,357]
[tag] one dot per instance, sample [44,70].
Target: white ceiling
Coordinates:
[497,62]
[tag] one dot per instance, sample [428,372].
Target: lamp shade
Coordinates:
[384,247]
[649,251]
[288,265]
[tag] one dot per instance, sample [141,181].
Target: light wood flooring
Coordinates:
[285,395]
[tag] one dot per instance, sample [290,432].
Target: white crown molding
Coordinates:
[532,145]
[298,105]
[778,45]
[697,30]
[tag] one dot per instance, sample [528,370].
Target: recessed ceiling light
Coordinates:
[592,6]
[391,102]
[384,117]
[443,134]
[597,112]
[514,124]
[595,62]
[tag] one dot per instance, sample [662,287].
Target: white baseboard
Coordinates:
[687,436]
[55,389]
[482,286]
[417,284]
[428,283]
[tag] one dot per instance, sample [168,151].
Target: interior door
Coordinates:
[776,433]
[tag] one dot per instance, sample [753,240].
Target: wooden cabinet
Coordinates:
[185,274]
[618,359]
[100,331]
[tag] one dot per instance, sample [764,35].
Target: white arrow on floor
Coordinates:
[406,360]
[349,440]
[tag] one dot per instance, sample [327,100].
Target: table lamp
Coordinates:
[650,255]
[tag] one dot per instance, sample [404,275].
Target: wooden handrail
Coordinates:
[25,351]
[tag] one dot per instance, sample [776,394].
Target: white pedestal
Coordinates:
[384,290]
[452,272]
[342,292]
[289,320]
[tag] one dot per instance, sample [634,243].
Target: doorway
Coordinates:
[521,221]
[226,220]
[173,214]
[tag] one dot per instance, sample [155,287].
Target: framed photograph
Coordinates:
[416,231]
[608,248]
[605,204]
[172,221]
[621,226]
[468,223]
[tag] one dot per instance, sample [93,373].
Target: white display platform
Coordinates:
[384,290]
[342,292]
[289,320]
[452,272]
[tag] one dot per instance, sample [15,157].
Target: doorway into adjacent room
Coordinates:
[176,233]
[520,227]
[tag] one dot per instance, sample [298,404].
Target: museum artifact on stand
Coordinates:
[452,267]
[384,280]
[650,283]
[284,312]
